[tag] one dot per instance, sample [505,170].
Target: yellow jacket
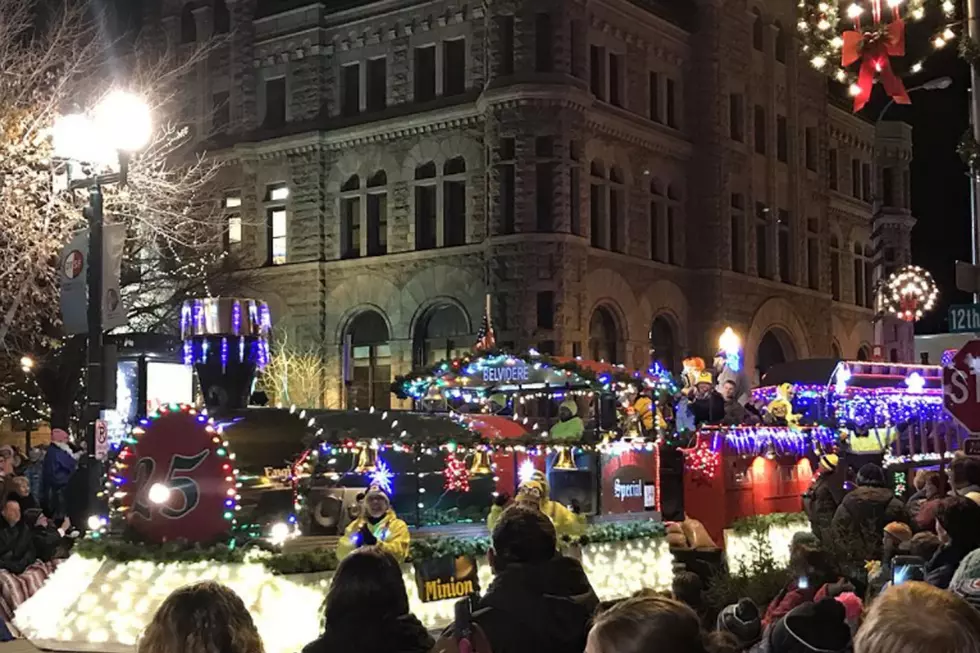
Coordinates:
[566,522]
[392,534]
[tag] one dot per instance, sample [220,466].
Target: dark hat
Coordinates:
[966,580]
[805,538]
[871,474]
[812,628]
[742,620]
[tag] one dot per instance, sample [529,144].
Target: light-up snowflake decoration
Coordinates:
[526,472]
[382,476]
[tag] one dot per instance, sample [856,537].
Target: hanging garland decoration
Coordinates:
[174,479]
[908,293]
[456,474]
[853,41]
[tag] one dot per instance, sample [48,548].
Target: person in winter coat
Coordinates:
[643,624]
[378,525]
[895,540]
[825,494]
[17,551]
[814,576]
[814,627]
[201,618]
[865,512]
[537,492]
[743,621]
[539,600]
[923,509]
[964,475]
[707,405]
[60,463]
[366,609]
[570,426]
[958,527]
[916,618]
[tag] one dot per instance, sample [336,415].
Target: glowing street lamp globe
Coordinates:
[124,118]
[908,293]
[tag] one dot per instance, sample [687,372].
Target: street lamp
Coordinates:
[937,84]
[102,143]
[26,364]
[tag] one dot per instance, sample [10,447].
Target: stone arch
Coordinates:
[775,313]
[363,292]
[605,334]
[606,287]
[863,352]
[440,150]
[370,357]
[610,155]
[664,298]
[453,323]
[775,347]
[439,283]
[364,163]
[665,342]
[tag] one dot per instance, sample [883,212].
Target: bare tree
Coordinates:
[54,60]
[295,374]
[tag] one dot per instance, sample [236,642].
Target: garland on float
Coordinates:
[118,480]
[763,523]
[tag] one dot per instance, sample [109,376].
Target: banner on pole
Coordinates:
[74,280]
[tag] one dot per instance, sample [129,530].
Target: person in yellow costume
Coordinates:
[534,493]
[377,525]
[780,409]
[649,414]
[570,426]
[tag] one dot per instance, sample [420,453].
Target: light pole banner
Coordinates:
[74,287]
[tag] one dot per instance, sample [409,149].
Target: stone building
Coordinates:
[624,178]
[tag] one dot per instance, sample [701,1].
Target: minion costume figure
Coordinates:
[779,411]
[377,525]
[570,425]
[534,493]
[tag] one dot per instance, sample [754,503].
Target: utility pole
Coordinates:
[973,27]
[95,376]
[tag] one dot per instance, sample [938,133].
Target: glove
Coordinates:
[501,500]
[367,537]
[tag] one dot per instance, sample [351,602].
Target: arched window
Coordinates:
[617,210]
[370,362]
[440,335]
[377,214]
[758,42]
[780,42]
[221,17]
[835,350]
[859,284]
[775,347]
[659,242]
[426,187]
[864,353]
[188,25]
[835,267]
[663,344]
[454,202]
[350,218]
[597,206]
[603,336]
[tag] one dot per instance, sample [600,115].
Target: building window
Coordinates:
[377,84]
[575,188]
[505,41]
[615,79]
[658,223]
[736,117]
[232,201]
[780,45]
[508,185]
[866,181]
[576,36]
[369,352]
[760,130]
[546,310]
[673,225]
[671,103]
[869,278]
[856,178]
[545,174]
[655,110]
[377,214]
[277,228]
[835,268]
[597,60]
[738,232]
[810,144]
[275,102]
[758,42]
[425,206]
[782,139]
[188,25]
[276,192]
[350,89]
[785,260]
[888,186]
[350,218]
[597,206]
[617,209]
[425,73]
[234,230]
[543,44]
[454,67]
[222,19]
[813,254]
[833,175]
[859,275]
[762,240]
[220,112]
[454,202]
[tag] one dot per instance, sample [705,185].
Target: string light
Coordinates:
[456,474]
[908,293]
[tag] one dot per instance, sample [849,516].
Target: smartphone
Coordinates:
[803,583]
[906,568]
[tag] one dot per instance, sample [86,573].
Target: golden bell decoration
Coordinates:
[481,463]
[367,460]
[565,459]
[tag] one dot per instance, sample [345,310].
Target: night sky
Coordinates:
[940,186]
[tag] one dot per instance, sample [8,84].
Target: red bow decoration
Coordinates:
[874,49]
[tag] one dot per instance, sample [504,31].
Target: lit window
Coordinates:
[233,201]
[234,230]
[277,193]
[277,224]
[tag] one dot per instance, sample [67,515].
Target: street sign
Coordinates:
[967,277]
[961,386]
[101,439]
[964,318]
[971,446]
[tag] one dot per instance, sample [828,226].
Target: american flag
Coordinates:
[485,338]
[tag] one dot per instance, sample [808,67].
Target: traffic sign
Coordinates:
[101,439]
[964,318]
[961,386]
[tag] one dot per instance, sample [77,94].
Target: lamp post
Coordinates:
[103,144]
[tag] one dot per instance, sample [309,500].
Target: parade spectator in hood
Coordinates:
[865,512]
[819,627]
[958,527]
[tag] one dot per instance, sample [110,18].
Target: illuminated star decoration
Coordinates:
[456,474]
[915,383]
[382,476]
[526,471]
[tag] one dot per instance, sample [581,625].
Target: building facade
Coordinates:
[624,179]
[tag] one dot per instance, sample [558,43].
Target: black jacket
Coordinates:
[863,515]
[942,566]
[404,634]
[17,550]
[709,409]
[538,608]
[821,500]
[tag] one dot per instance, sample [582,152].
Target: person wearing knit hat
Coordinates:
[570,426]
[823,497]
[819,627]
[966,579]
[865,512]
[535,492]
[742,620]
[378,525]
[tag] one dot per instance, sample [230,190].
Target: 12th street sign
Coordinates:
[964,318]
[961,386]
